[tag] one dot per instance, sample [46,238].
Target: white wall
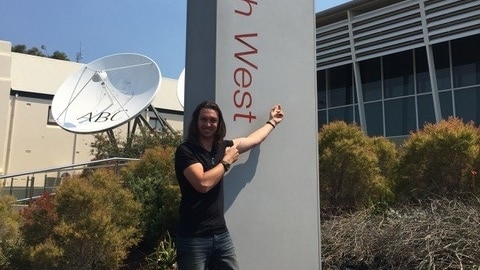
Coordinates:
[5,67]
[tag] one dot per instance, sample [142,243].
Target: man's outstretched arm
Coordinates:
[244,144]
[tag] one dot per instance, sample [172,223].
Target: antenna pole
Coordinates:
[79,55]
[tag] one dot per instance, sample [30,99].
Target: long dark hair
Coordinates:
[193,132]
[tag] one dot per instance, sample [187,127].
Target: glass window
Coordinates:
[340,90]
[400,116]
[441,55]
[426,112]
[155,123]
[322,118]
[398,74]
[50,119]
[371,76]
[356,114]
[321,90]
[467,104]
[446,105]
[374,118]
[341,114]
[466,61]
[421,71]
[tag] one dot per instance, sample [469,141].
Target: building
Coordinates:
[391,66]
[29,138]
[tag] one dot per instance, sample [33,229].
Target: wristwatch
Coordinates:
[226,165]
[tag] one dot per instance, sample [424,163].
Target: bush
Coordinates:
[354,170]
[9,232]
[438,234]
[151,180]
[95,222]
[153,183]
[439,161]
[39,219]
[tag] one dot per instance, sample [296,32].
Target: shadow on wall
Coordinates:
[239,176]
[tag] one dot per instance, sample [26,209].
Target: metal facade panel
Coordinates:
[396,28]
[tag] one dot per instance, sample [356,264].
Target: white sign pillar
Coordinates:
[247,56]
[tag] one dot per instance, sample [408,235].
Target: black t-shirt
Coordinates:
[201,214]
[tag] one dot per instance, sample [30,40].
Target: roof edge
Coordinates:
[339,13]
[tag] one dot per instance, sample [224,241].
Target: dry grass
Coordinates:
[439,234]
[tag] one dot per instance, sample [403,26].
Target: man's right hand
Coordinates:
[231,154]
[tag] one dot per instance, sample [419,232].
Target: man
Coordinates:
[203,241]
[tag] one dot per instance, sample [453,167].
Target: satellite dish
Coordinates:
[181,88]
[106,93]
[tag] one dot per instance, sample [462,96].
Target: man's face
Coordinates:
[207,123]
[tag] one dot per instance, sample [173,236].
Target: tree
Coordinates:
[354,169]
[439,160]
[20,48]
[59,56]
[35,51]
[134,146]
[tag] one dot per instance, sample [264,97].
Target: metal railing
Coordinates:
[52,178]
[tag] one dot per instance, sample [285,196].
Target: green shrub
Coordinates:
[9,232]
[354,170]
[95,222]
[164,256]
[439,161]
[153,183]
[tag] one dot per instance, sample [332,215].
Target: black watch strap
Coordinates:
[226,165]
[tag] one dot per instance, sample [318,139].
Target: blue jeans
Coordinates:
[206,253]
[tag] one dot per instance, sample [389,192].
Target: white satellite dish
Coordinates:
[106,93]
[181,88]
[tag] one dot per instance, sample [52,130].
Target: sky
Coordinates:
[98,28]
